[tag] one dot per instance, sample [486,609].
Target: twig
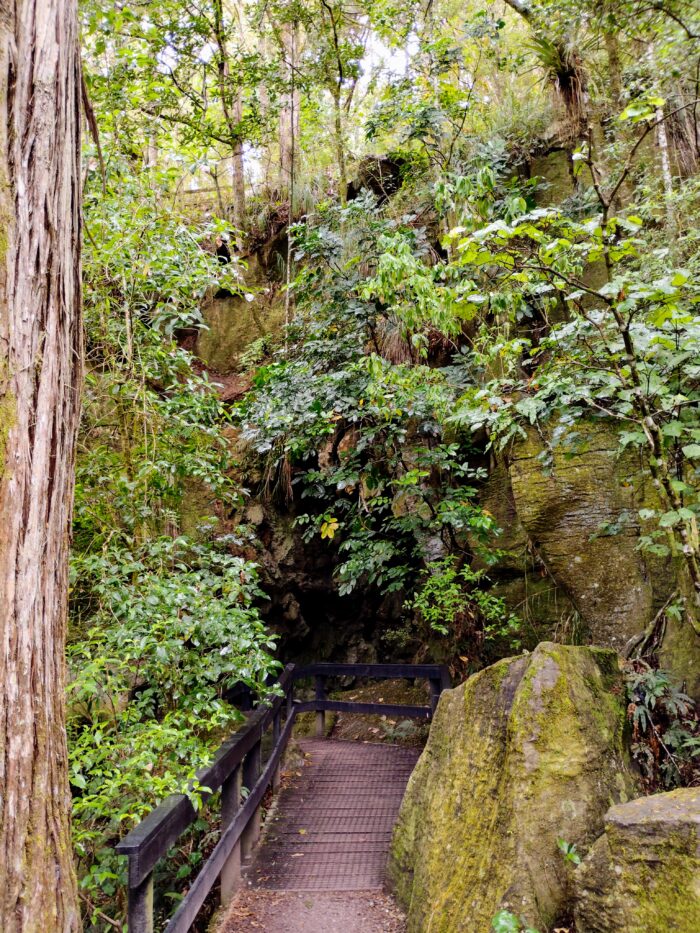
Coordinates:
[102,916]
[640,641]
[92,126]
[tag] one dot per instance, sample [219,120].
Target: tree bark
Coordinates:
[40,377]
[238,169]
[340,148]
[289,112]
[232,105]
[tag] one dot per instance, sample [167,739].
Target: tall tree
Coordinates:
[40,376]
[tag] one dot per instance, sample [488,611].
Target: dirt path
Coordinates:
[313,912]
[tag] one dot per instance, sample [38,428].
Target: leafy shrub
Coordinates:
[351,421]
[453,600]
[162,624]
[665,727]
[174,626]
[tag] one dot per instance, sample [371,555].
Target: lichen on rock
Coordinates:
[643,874]
[525,752]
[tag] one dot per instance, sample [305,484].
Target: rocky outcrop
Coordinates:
[571,566]
[578,503]
[234,322]
[643,874]
[525,752]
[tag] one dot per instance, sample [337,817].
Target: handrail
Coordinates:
[237,763]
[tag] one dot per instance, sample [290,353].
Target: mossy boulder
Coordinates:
[525,752]
[234,322]
[643,874]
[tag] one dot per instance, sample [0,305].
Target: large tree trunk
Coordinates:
[40,376]
[238,170]
[233,113]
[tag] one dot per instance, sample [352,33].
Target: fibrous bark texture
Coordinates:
[40,376]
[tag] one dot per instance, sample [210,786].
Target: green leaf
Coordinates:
[505,922]
[692,451]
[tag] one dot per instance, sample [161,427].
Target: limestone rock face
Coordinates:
[643,874]
[562,499]
[564,496]
[524,753]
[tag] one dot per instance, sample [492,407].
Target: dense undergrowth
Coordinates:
[429,331]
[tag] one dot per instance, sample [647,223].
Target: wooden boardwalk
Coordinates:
[333,824]
[333,828]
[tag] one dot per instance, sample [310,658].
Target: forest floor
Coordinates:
[359,727]
[313,912]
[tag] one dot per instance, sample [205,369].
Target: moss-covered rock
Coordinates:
[643,874]
[566,495]
[525,752]
[577,499]
[234,322]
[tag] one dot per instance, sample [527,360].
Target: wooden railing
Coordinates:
[238,765]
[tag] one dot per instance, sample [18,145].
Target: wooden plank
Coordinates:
[378,709]
[378,671]
[190,906]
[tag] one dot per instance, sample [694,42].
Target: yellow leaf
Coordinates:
[329,528]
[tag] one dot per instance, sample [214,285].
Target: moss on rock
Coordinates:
[564,495]
[525,752]
[578,501]
[643,874]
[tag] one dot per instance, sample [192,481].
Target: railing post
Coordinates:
[276,730]
[140,916]
[230,803]
[251,773]
[435,690]
[321,713]
[445,679]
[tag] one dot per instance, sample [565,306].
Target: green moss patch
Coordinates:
[524,753]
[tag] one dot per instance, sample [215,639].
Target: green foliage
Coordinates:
[162,624]
[173,628]
[152,427]
[626,350]
[451,601]
[666,727]
[568,851]
[506,922]
[362,435]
